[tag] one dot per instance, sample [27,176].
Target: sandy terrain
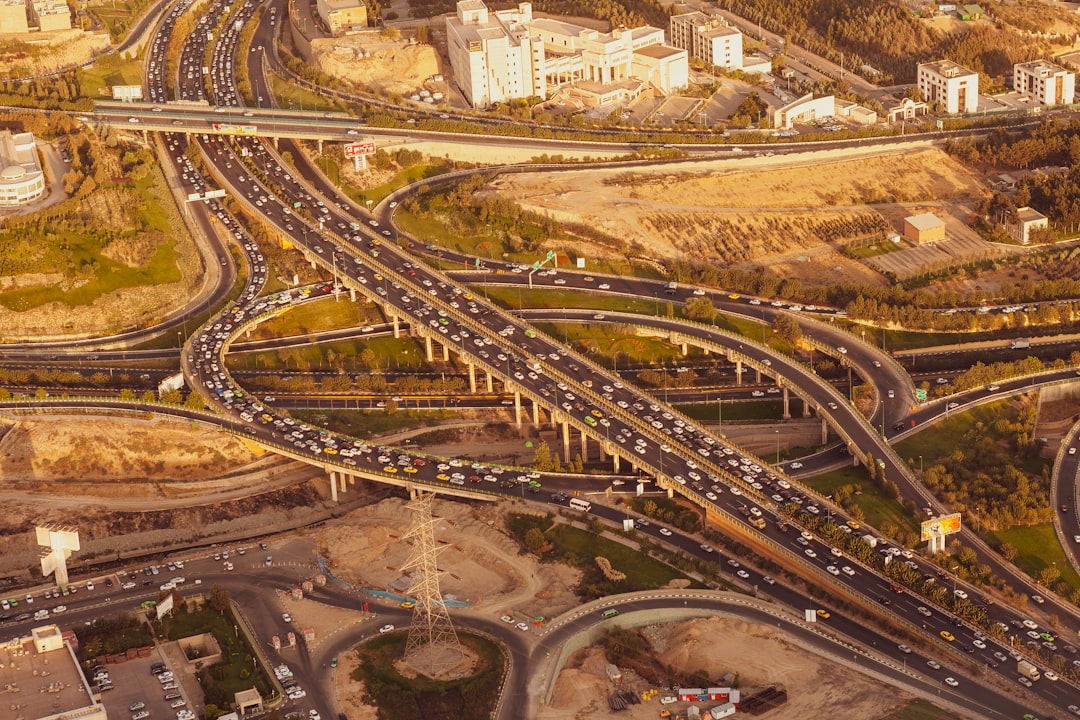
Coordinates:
[35,53]
[758,654]
[786,212]
[394,66]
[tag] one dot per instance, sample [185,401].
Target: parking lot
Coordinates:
[133,682]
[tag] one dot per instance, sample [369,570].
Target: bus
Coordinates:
[579,504]
[610,613]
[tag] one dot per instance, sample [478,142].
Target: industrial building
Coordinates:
[21,178]
[953,86]
[342,15]
[924,228]
[707,38]
[1044,83]
[13,17]
[43,679]
[510,54]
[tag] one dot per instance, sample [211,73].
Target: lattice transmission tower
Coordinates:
[433,645]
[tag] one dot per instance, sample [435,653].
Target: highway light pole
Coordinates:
[777,447]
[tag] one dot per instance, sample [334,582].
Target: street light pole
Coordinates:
[777,446]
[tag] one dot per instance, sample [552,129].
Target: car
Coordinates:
[1039,599]
[768,579]
[286,617]
[1050,675]
[951,682]
[925,611]
[665,532]
[1074,709]
[933,664]
[59,609]
[178,703]
[904,649]
[507,619]
[1026,682]
[314,714]
[136,706]
[842,350]
[296,694]
[385,629]
[795,465]
[979,644]
[140,715]
[823,614]
[947,636]
[960,594]
[523,627]
[743,574]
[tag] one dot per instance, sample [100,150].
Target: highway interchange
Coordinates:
[585,399]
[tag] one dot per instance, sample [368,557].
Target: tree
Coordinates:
[787,328]
[534,539]
[423,35]
[700,309]
[542,457]
[219,599]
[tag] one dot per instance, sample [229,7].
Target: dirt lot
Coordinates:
[27,54]
[788,213]
[760,656]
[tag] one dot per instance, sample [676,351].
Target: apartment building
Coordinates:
[953,86]
[498,56]
[1045,83]
[342,15]
[707,38]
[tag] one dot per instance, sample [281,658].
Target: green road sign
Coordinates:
[920,394]
[477,262]
[536,266]
[297,204]
[551,254]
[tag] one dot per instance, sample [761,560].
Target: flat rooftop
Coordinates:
[924,221]
[44,684]
[659,52]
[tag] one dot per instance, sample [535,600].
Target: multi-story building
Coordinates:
[509,54]
[13,17]
[50,15]
[707,38]
[342,15]
[953,86]
[1044,82]
[21,178]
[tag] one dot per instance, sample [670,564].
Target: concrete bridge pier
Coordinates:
[472,378]
[333,486]
[352,294]
[685,349]
[446,353]
[603,452]
[428,350]
[566,441]
[517,408]
[757,376]
[318,141]
[584,447]
[490,384]
[535,414]
[787,404]
[738,372]
[805,409]
[615,462]
[397,326]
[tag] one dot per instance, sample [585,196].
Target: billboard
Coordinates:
[235,129]
[940,526]
[127,93]
[357,149]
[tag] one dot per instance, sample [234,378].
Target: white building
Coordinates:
[21,178]
[1044,82]
[342,15]
[806,109]
[707,38]
[13,17]
[952,85]
[509,54]
[50,15]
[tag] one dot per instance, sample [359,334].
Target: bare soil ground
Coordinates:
[760,656]
[394,66]
[788,213]
[28,54]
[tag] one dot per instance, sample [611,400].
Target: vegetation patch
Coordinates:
[112,635]
[556,542]
[398,697]
[1036,550]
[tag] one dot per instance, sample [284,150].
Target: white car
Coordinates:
[665,532]
[297,694]
[523,627]
[286,617]
[904,649]
[951,682]
[507,619]
[795,465]
[385,629]
[59,609]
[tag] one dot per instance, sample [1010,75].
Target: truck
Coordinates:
[1028,670]
[671,287]
[1020,344]
[173,382]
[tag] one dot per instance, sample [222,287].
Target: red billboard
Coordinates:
[357,149]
